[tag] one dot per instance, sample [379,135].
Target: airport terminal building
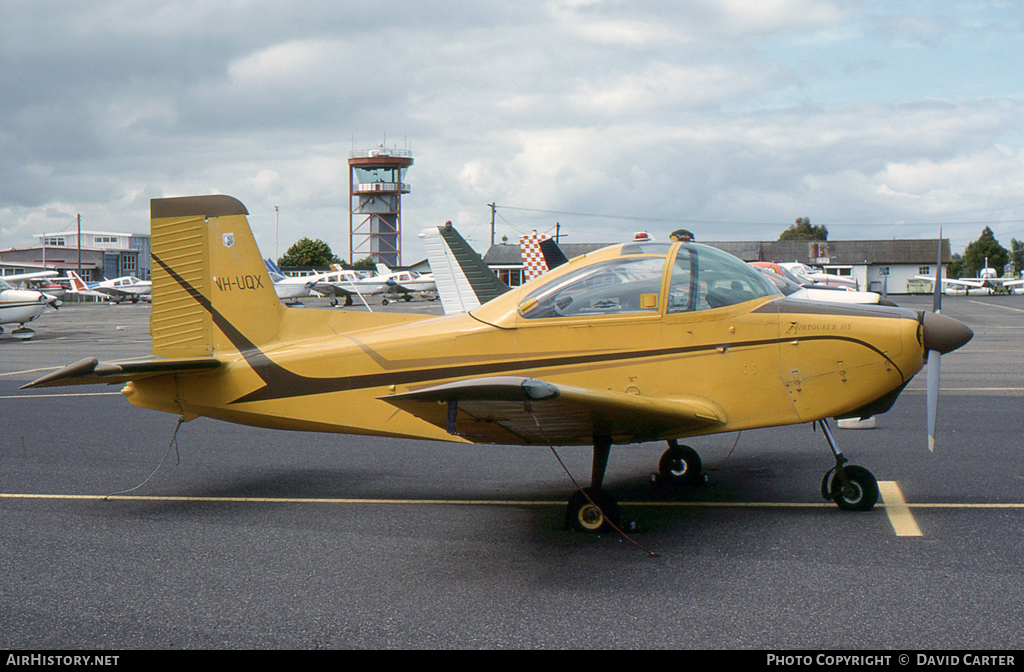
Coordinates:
[103,254]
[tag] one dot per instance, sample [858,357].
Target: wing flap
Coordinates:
[511,408]
[90,371]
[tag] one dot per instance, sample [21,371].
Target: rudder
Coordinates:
[211,291]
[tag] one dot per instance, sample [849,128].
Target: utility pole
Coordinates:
[493,208]
[558,229]
[79,244]
[277,220]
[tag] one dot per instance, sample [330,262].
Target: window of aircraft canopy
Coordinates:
[627,284]
[704,278]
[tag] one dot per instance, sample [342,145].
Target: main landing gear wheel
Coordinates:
[680,465]
[592,510]
[860,492]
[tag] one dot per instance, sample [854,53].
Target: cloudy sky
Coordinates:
[727,117]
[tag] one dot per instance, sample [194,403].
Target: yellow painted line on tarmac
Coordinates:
[281,500]
[902,521]
[888,501]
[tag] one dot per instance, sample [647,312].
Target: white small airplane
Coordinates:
[988,279]
[35,280]
[340,282]
[405,284]
[791,286]
[805,272]
[126,287]
[18,306]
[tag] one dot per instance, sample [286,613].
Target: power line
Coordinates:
[739,223]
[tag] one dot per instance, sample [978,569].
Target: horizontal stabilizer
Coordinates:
[507,409]
[90,371]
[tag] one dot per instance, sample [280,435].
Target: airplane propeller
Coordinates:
[941,335]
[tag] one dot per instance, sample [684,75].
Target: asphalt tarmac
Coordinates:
[249,538]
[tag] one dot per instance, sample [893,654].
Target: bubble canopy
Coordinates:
[698,278]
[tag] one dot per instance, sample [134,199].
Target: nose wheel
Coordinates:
[680,465]
[851,487]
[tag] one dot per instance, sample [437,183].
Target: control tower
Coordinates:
[376,180]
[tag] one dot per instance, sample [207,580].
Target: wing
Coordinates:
[19,277]
[399,288]
[90,371]
[512,409]
[111,291]
[334,288]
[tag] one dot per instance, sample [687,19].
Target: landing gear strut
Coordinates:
[851,487]
[593,509]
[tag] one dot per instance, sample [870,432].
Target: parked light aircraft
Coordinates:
[404,284]
[349,283]
[18,306]
[987,279]
[346,283]
[792,287]
[632,343]
[805,272]
[119,289]
[35,280]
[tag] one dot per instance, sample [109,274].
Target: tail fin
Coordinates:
[463,280]
[274,270]
[77,284]
[211,290]
[382,269]
[553,255]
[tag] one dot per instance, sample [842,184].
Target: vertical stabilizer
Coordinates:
[463,280]
[211,290]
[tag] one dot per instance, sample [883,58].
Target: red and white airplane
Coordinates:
[126,287]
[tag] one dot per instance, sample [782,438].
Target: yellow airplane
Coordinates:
[633,343]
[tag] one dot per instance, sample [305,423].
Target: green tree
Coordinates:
[985,247]
[365,263]
[955,267]
[802,229]
[306,252]
[1017,255]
